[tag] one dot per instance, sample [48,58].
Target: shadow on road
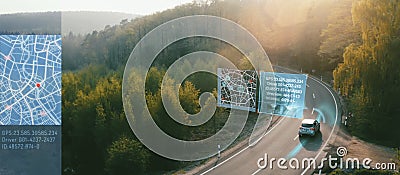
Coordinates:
[311,143]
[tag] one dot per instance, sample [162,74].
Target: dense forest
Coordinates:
[368,76]
[353,42]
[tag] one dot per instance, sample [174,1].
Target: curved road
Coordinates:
[282,140]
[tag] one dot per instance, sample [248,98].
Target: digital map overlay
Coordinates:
[237,89]
[30,79]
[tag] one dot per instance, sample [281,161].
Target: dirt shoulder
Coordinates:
[357,148]
[234,149]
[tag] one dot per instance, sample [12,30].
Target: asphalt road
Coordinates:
[282,140]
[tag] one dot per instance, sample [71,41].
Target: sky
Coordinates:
[140,7]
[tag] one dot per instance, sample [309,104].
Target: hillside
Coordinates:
[29,23]
[85,22]
[81,22]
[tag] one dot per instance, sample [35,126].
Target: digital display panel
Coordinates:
[237,89]
[282,94]
[30,104]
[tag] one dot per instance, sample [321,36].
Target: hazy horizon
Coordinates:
[121,6]
[70,11]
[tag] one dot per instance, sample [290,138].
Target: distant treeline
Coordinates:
[80,22]
[19,33]
[282,36]
[31,23]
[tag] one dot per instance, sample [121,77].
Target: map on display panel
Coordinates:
[30,80]
[237,89]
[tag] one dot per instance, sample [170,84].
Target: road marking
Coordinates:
[334,125]
[297,136]
[247,147]
[290,155]
[258,170]
[333,128]
[307,85]
[255,142]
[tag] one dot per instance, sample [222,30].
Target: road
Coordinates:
[282,140]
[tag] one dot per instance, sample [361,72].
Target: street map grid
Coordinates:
[237,89]
[30,80]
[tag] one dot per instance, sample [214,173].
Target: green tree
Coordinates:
[153,80]
[71,52]
[369,75]
[340,33]
[189,98]
[127,156]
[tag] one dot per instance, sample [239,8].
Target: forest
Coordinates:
[354,43]
[369,76]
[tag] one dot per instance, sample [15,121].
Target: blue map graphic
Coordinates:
[30,80]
